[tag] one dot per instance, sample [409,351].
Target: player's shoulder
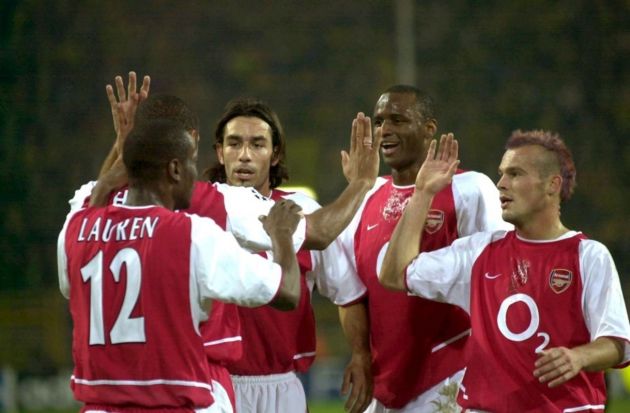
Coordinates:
[469,177]
[592,247]
[307,203]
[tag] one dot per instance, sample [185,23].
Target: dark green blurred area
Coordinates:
[492,67]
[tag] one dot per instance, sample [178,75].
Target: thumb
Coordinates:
[345,158]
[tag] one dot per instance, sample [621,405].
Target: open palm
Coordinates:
[439,166]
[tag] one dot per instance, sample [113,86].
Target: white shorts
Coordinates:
[441,398]
[279,393]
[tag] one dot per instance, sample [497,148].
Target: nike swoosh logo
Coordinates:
[490,276]
[371,227]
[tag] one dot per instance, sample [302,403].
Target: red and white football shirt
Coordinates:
[139,280]
[416,343]
[281,341]
[525,296]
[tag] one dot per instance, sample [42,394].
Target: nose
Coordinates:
[244,155]
[501,182]
[386,128]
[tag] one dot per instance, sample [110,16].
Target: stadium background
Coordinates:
[492,68]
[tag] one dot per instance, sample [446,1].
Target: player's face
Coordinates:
[188,176]
[247,153]
[405,136]
[522,189]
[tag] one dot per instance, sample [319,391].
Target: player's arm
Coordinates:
[280,224]
[357,377]
[360,167]
[113,174]
[436,172]
[606,319]
[558,365]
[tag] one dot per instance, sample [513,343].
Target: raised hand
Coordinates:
[124,107]
[362,161]
[439,166]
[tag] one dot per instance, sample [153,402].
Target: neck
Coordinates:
[543,229]
[147,196]
[404,177]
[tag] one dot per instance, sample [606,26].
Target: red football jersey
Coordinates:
[523,297]
[416,343]
[108,231]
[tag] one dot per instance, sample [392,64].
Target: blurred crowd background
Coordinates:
[492,67]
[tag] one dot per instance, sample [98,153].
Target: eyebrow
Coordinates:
[240,137]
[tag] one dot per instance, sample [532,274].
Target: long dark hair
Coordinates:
[255,108]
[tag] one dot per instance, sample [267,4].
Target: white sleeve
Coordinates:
[332,271]
[444,275]
[477,204]
[244,206]
[335,275]
[76,204]
[62,261]
[226,272]
[80,195]
[603,304]
[346,286]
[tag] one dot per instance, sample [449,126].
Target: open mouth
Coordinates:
[244,174]
[505,201]
[387,148]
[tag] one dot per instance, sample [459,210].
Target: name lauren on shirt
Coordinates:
[127,230]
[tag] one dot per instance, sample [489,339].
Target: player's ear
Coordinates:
[554,185]
[275,157]
[431,126]
[174,170]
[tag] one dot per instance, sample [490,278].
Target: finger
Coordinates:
[356,396]
[120,88]
[453,167]
[377,138]
[358,137]
[110,96]
[131,87]
[431,151]
[353,134]
[367,132]
[144,90]
[345,384]
[442,148]
[562,379]
[454,150]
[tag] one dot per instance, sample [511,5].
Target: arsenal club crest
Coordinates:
[435,220]
[560,280]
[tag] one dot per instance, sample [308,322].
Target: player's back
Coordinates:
[135,339]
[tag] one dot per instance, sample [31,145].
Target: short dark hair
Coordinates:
[425,104]
[167,107]
[255,108]
[553,143]
[152,145]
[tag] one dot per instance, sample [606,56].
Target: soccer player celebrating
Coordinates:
[547,311]
[415,346]
[273,345]
[141,277]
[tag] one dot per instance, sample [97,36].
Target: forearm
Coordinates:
[113,179]
[284,255]
[603,353]
[354,323]
[108,162]
[405,241]
[325,224]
